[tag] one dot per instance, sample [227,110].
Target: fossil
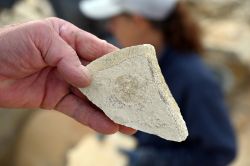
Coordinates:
[129,87]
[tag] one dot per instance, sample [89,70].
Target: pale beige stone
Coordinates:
[91,151]
[45,139]
[129,87]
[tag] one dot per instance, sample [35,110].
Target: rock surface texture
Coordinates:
[129,87]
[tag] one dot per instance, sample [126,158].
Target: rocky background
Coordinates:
[34,138]
[226,27]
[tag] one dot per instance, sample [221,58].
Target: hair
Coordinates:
[180,30]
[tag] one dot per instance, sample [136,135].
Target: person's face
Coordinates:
[126,30]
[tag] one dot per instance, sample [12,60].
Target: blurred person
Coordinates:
[41,66]
[7,3]
[69,11]
[168,26]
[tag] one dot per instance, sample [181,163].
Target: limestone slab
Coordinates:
[129,87]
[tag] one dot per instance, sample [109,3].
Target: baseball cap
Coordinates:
[103,9]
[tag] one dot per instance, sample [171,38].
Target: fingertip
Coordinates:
[127,130]
[111,129]
[104,126]
[78,76]
[92,48]
[107,47]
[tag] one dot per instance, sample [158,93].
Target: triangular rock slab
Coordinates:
[129,87]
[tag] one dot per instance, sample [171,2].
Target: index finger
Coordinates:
[87,46]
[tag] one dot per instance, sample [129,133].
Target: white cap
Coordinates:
[152,9]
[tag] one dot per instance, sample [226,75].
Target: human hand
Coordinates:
[41,64]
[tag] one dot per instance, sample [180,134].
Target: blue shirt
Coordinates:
[211,139]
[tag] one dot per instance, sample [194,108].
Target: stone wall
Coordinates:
[26,10]
[226,24]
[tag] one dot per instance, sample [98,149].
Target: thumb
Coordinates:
[68,64]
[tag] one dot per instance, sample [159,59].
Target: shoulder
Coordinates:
[190,69]
[193,68]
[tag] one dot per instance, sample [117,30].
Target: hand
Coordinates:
[40,66]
